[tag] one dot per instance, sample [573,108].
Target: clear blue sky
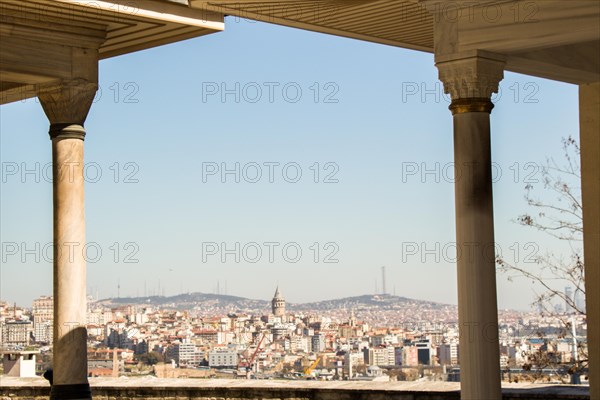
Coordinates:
[377,128]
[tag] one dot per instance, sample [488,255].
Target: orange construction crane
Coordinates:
[309,370]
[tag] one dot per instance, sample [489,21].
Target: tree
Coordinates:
[360,370]
[561,217]
[396,374]
[151,358]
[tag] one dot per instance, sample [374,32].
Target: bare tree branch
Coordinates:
[561,219]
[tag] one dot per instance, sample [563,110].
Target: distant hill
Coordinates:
[190,301]
[225,303]
[383,302]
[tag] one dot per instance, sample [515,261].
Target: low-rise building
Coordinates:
[222,358]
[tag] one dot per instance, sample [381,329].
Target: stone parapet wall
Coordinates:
[195,389]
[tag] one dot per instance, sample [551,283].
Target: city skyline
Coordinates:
[381,342]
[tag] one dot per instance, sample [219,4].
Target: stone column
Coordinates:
[589,125]
[67,106]
[470,81]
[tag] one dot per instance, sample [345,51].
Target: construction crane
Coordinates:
[309,370]
[249,363]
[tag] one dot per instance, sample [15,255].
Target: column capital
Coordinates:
[471,76]
[68,102]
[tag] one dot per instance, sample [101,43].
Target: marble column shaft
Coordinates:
[66,106]
[471,82]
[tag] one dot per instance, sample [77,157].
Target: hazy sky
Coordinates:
[351,117]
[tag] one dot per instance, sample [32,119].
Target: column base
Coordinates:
[71,392]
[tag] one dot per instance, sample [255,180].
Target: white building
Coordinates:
[43,317]
[222,358]
[299,344]
[188,355]
[381,356]
[16,333]
[351,361]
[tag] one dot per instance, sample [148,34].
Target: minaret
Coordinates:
[278,304]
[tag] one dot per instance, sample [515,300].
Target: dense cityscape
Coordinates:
[372,338]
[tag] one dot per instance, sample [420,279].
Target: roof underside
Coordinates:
[552,39]
[128,27]
[394,22]
[36,35]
